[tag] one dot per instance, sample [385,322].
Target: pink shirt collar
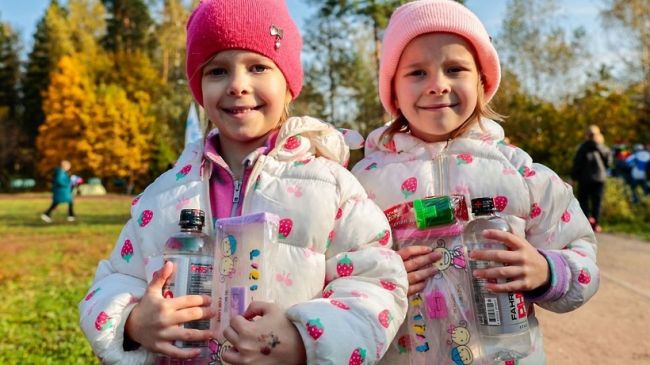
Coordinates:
[212,149]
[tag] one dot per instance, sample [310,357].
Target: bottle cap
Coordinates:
[483,206]
[433,211]
[192,218]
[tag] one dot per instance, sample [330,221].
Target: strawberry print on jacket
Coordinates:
[341,281]
[534,200]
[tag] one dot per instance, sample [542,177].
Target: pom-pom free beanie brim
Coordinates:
[261,26]
[427,16]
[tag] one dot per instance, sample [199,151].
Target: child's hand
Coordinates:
[418,261]
[154,321]
[268,339]
[526,268]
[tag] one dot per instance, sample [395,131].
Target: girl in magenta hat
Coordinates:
[339,290]
[438,71]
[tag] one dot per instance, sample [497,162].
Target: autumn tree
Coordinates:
[171,102]
[101,131]
[87,21]
[9,75]
[66,104]
[119,139]
[631,19]
[546,57]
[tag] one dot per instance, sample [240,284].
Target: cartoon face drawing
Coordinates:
[229,245]
[227,267]
[450,257]
[462,355]
[228,249]
[460,336]
[445,261]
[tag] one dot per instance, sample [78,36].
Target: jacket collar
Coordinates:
[487,131]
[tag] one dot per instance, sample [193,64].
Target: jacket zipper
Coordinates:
[235,196]
[205,180]
[442,167]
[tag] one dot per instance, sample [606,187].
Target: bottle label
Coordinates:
[497,313]
[192,276]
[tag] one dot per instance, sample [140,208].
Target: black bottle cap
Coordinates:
[483,206]
[192,218]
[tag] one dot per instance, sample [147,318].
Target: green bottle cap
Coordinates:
[433,211]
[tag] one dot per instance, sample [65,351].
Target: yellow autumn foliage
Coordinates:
[99,129]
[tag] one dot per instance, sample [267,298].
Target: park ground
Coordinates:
[46,269]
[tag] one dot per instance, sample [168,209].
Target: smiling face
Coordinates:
[244,94]
[436,85]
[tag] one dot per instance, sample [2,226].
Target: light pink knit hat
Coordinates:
[261,26]
[426,16]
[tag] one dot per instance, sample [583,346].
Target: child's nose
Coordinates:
[438,84]
[239,84]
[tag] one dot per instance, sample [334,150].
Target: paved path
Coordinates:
[614,326]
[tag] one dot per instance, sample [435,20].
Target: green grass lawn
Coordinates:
[45,270]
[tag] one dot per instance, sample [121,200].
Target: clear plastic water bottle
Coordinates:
[191,251]
[501,317]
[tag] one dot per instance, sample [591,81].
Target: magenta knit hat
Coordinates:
[261,26]
[426,16]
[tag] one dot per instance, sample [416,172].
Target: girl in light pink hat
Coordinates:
[337,290]
[438,71]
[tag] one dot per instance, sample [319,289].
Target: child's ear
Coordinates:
[288,97]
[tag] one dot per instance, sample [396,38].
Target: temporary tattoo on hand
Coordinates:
[270,340]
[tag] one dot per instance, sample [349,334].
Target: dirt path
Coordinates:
[614,327]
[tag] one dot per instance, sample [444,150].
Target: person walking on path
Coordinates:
[61,192]
[638,161]
[590,164]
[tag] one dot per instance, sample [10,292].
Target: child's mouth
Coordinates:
[241,109]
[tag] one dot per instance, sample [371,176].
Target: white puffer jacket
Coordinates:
[536,202]
[333,220]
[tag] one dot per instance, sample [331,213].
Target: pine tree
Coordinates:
[129,26]
[9,74]
[51,42]
[9,69]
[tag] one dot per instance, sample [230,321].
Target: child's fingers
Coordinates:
[500,272]
[418,276]
[190,301]
[512,241]
[170,350]
[416,288]
[192,314]
[256,309]
[502,256]
[232,356]
[507,287]
[231,335]
[160,277]
[418,262]
[407,252]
